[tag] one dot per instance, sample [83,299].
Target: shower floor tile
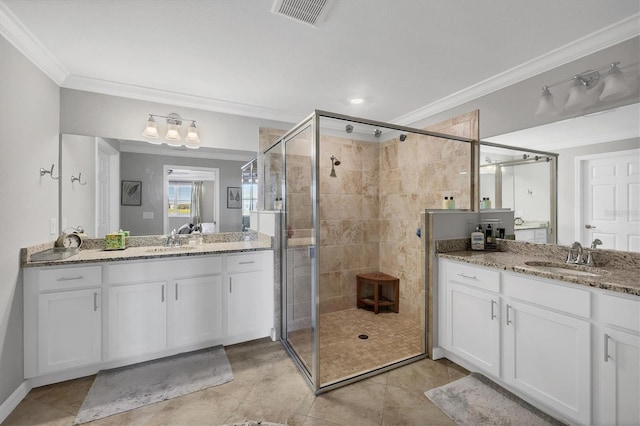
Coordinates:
[391,337]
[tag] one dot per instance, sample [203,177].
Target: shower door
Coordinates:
[299,244]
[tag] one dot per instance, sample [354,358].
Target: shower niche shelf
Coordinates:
[378,280]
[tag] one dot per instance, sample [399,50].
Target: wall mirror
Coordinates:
[178,186]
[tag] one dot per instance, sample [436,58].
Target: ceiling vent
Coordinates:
[310,12]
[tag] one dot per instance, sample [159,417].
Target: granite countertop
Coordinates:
[155,252]
[614,278]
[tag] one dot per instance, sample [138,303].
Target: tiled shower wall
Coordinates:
[370,211]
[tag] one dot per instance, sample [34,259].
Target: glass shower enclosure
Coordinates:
[351,192]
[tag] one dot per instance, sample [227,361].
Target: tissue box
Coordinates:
[114,241]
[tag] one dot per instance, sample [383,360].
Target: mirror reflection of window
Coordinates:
[179,203]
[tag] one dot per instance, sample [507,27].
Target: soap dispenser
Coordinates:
[477,239]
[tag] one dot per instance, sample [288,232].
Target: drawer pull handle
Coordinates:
[162,293]
[508,318]
[176,291]
[230,285]
[472,277]
[95,301]
[79,277]
[493,312]
[248,262]
[606,348]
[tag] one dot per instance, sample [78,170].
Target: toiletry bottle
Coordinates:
[477,239]
[445,203]
[452,204]
[482,203]
[487,203]
[489,235]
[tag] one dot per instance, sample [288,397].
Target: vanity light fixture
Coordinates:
[172,135]
[614,84]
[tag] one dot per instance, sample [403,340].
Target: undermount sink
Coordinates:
[172,248]
[567,269]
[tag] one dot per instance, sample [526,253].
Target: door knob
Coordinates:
[590,226]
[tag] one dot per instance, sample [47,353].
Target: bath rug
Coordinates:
[475,400]
[126,388]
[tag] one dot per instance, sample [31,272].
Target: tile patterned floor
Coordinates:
[392,337]
[268,387]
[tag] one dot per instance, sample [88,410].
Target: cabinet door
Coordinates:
[620,377]
[473,326]
[69,325]
[547,355]
[249,305]
[137,319]
[197,310]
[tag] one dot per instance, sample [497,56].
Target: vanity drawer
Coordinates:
[621,312]
[69,277]
[245,262]
[474,276]
[548,294]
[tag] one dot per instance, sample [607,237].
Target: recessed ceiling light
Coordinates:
[356,101]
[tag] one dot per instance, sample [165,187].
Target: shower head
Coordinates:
[334,162]
[403,137]
[349,128]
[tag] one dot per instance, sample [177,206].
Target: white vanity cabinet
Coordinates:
[137,319]
[570,349]
[163,304]
[547,343]
[196,311]
[617,361]
[81,319]
[250,297]
[62,319]
[472,315]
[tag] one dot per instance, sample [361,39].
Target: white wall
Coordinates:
[566,182]
[531,191]
[29,127]
[87,113]
[78,201]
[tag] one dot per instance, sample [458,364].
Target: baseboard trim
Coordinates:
[14,399]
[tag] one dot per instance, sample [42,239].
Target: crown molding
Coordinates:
[112,88]
[606,37]
[21,38]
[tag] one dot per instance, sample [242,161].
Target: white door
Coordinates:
[107,189]
[137,319]
[611,200]
[197,307]
[546,355]
[473,326]
[248,304]
[620,378]
[69,325]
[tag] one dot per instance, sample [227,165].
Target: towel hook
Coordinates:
[49,172]
[78,179]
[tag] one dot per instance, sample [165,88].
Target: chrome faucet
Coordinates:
[596,243]
[578,248]
[172,240]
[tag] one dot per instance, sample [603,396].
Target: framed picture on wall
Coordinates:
[234,197]
[131,193]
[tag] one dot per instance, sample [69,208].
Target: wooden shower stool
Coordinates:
[378,279]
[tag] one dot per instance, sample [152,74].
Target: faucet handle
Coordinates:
[589,261]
